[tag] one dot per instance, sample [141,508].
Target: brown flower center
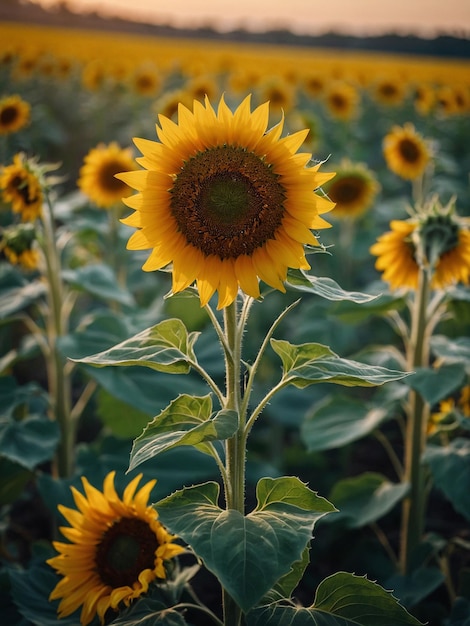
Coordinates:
[8,115]
[409,150]
[346,190]
[126,549]
[106,177]
[227,201]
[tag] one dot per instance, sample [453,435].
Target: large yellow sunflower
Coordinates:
[15,113]
[439,242]
[405,151]
[225,201]
[353,189]
[97,175]
[21,186]
[117,549]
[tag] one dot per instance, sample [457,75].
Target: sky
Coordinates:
[422,17]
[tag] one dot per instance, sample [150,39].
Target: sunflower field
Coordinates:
[235,333]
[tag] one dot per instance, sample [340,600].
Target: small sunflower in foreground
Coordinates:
[21,186]
[438,242]
[353,190]
[97,175]
[15,114]
[117,549]
[225,201]
[406,152]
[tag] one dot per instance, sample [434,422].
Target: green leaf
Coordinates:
[13,300]
[324,287]
[415,587]
[364,499]
[310,363]
[187,421]
[122,419]
[451,350]
[30,441]
[339,420]
[100,281]
[14,480]
[166,347]
[436,384]
[286,584]
[450,468]
[247,554]
[341,600]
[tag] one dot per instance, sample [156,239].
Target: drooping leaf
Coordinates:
[311,363]
[339,420]
[364,499]
[450,468]
[30,441]
[415,587]
[324,287]
[248,554]
[451,350]
[187,421]
[342,599]
[165,347]
[15,299]
[436,384]
[100,281]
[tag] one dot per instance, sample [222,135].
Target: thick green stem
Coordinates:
[58,380]
[413,512]
[235,446]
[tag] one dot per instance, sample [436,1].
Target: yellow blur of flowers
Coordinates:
[97,175]
[15,114]
[353,189]
[439,242]
[225,201]
[21,187]
[117,549]
[444,418]
[406,152]
[17,244]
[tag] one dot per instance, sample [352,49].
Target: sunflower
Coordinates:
[389,91]
[224,201]
[17,245]
[424,98]
[405,151]
[146,79]
[444,418]
[353,189]
[279,92]
[21,186]
[97,175]
[341,100]
[14,114]
[440,243]
[118,548]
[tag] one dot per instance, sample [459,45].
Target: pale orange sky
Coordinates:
[424,17]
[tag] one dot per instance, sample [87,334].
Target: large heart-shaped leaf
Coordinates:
[310,363]
[248,554]
[341,600]
[187,421]
[166,347]
[339,420]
